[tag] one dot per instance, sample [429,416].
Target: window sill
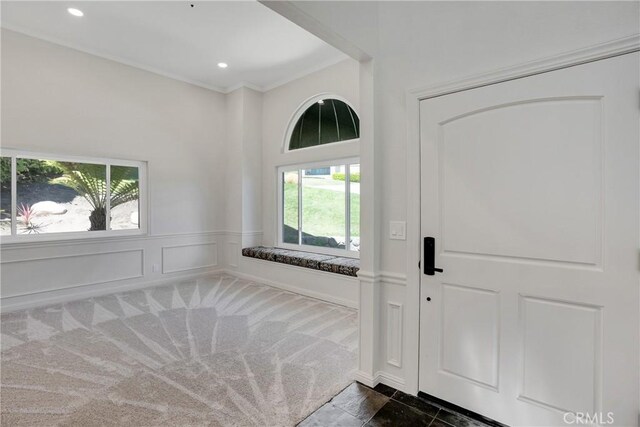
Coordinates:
[314,261]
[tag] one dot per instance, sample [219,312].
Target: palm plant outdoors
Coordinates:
[89,180]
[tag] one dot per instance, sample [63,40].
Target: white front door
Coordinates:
[530,189]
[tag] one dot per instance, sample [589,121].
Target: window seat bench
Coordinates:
[329,263]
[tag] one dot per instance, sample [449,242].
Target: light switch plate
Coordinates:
[398,230]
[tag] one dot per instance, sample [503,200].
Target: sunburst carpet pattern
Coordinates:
[218,351]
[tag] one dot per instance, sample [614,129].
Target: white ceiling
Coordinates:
[262,48]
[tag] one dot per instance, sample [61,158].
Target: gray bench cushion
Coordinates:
[333,264]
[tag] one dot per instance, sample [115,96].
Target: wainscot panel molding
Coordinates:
[369,326]
[186,257]
[235,241]
[22,302]
[393,278]
[387,335]
[243,233]
[30,276]
[394,333]
[383,276]
[233,250]
[368,276]
[34,274]
[7,247]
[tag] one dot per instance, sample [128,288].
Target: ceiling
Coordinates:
[171,38]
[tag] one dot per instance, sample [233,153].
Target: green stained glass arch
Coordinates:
[325,121]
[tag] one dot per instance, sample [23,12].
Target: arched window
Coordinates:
[319,201]
[325,121]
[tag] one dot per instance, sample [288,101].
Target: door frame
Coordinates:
[413,97]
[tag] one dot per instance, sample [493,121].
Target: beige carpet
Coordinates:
[217,352]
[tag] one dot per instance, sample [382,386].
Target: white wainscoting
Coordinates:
[233,251]
[35,274]
[394,333]
[235,241]
[331,287]
[189,257]
[388,332]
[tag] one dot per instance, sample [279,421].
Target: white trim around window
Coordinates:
[142,229]
[280,200]
[301,110]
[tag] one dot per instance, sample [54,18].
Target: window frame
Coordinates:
[302,108]
[347,253]
[143,215]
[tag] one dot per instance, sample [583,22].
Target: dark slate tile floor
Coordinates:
[359,405]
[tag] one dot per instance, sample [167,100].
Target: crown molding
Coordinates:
[133,64]
[153,70]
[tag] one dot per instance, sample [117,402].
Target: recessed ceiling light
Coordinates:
[222,65]
[75,12]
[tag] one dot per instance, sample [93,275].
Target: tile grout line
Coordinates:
[408,406]
[434,417]
[374,414]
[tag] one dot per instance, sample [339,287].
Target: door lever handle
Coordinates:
[430,257]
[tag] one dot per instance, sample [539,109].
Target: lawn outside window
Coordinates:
[48,197]
[319,207]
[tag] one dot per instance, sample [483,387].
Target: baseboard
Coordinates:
[57,296]
[392,381]
[381,378]
[366,379]
[295,289]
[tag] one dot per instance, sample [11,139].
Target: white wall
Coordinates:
[56,99]
[278,107]
[423,43]
[211,164]
[59,100]
[243,173]
[232,177]
[252,164]
[259,191]
[428,43]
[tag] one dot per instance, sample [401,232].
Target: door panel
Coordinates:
[470,324]
[523,216]
[531,189]
[566,377]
